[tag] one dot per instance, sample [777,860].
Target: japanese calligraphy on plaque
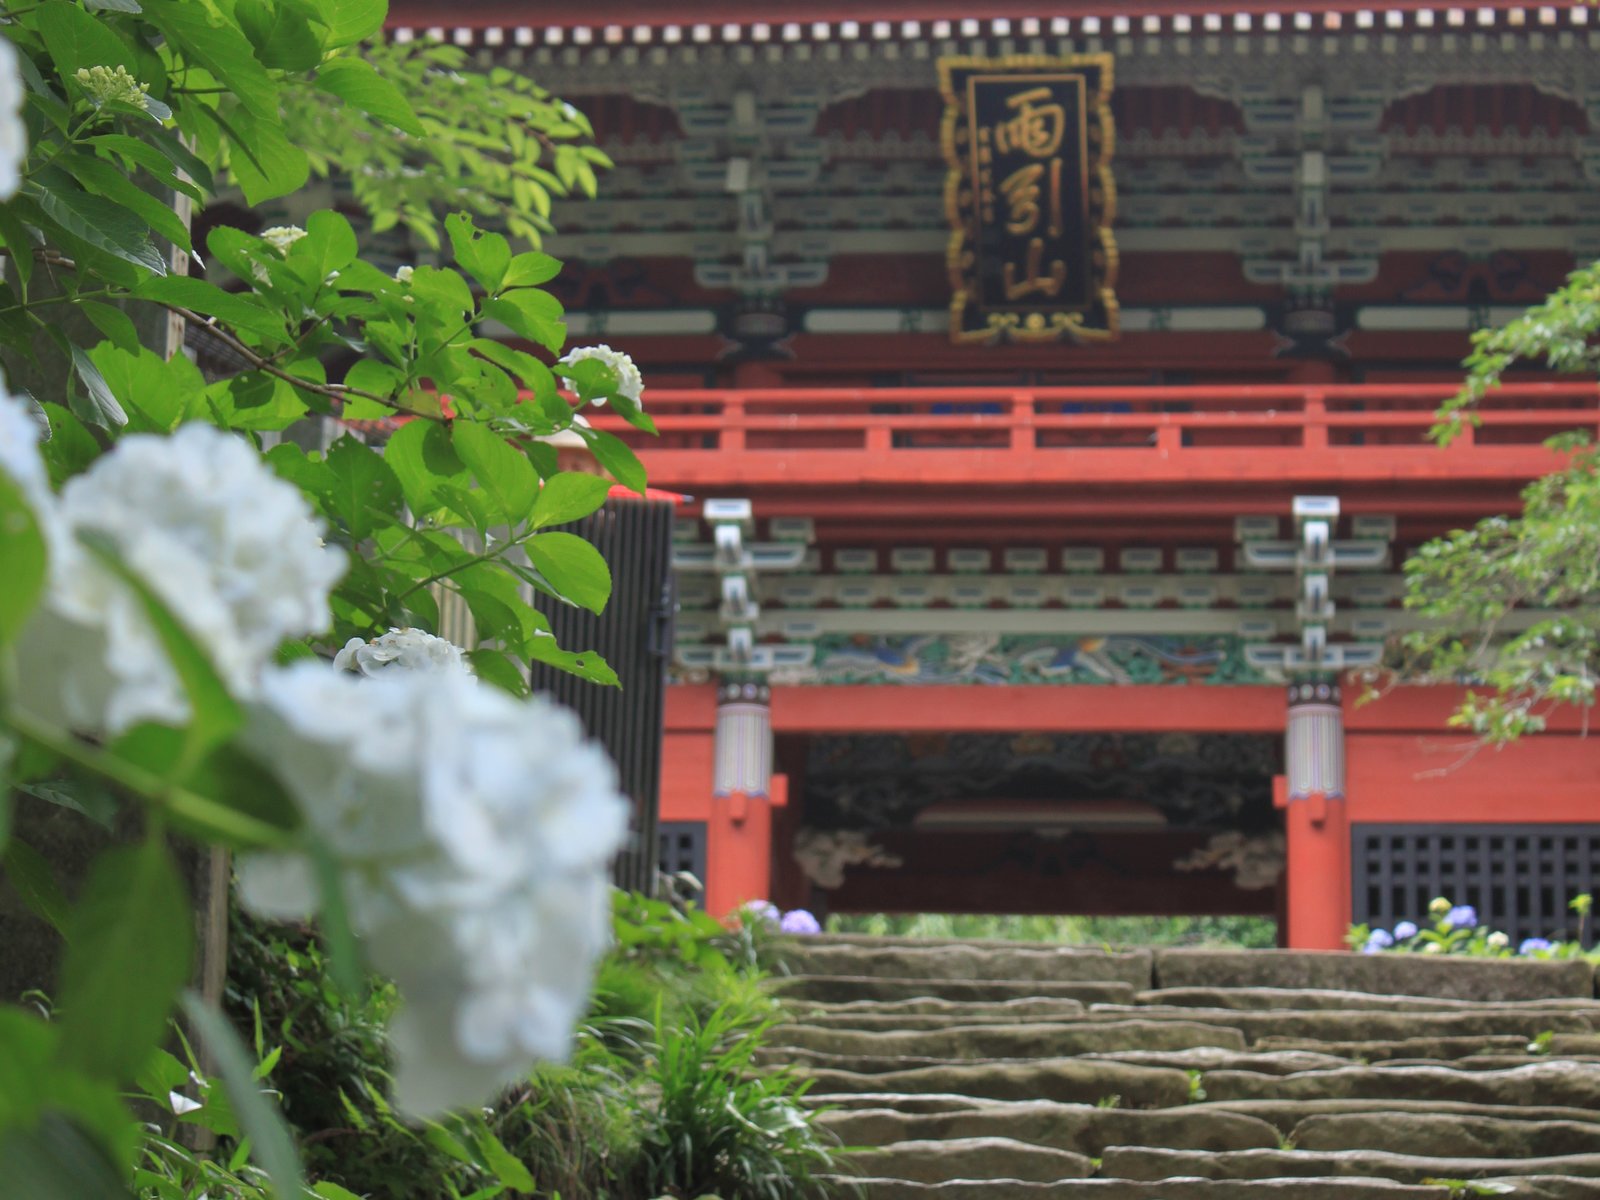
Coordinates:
[1030,198]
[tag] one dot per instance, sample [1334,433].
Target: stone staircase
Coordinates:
[1014,1071]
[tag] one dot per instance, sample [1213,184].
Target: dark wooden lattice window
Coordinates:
[1518,877]
[683,848]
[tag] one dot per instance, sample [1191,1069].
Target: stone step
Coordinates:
[1433,1048]
[1064,1080]
[1473,979]
[975,962]
[962,1011]
[1147,1163]
[1335,1026]
[1326,998]
[1286,1115]
[1447,1135]
[844,988]
[1007,1041]
[1179,1189]
[1199,1058]
[1080,1128]
[1559,1083]
[938,1161]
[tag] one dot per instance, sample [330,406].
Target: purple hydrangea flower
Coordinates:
[1535,945]
[1405,931]
[1378,939]
[798,920]
[1462,916]
[764,911]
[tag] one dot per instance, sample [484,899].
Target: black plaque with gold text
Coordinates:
[1030,198]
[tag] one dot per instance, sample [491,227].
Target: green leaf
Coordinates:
[75,39]
[507,1167]
[616,457]
[22,550]
[502,470]
[124,6]
[103,224]
[240,311]
[105,179]
[422,458]
[32,879]
[573,567]
[365,492]
[569,496]
[333,922]
[484,256]
[281,36]
[17,239]
[270,1143]
[352,21]
[263,161]
[128,953]
[197,35]
[358,84]
[57,1159]
[329,242]
[214,714]
[95,404]
[585,664]
[530,269]
[155,160]
[496,667]
[113,322]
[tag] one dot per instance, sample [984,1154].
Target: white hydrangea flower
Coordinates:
[13,133]
[473,837]
[281,237]
[403,274]
[629,382]
[409,648]
[113,85]
[20,434]
[232,550]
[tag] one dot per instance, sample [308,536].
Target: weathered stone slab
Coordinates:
[960,1010]
[1081,1128]
[1006,1041]
[972,1158]
[1168,1189]
[1287,1114]
[1487,1021]
[1559,1082]
[1218,1058]
[921,1102]
[973,961]
[1318,999]
[839,988]
[1483,980]
[1423,1047]
[1447,1136]
[1064,1080]
[1148,1163]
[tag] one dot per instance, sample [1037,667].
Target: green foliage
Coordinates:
[720,1125]
[495,144]
[133,109]
[1249,932]
[1475,587]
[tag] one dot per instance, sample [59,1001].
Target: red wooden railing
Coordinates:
[822,436]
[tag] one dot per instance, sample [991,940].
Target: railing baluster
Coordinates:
[731,435]
[1024,437]
[1315,430]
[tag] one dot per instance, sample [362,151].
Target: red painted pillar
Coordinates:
[739,834]
[1316,824]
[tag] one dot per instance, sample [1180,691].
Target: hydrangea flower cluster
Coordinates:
[1535,945]
[281,237]
[112,85]
[764,912]
[1462,916]
[799,921]
[232,551]
[473,838]
[13,133]
[630,382]
[411,649]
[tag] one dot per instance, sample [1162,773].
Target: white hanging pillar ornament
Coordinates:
[1314,750]
[1316,824]
[743,746]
